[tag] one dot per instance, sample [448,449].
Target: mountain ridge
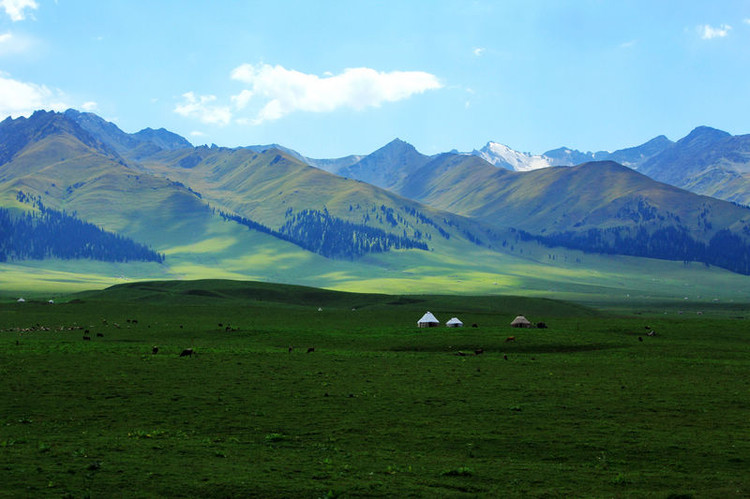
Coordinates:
[154,188]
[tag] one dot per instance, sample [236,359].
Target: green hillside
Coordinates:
[247,215]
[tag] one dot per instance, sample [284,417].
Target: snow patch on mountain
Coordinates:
[505,157]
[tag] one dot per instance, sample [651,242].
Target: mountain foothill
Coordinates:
[150,191]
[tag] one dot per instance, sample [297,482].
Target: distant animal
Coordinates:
[651,333]
[541,325]
[180,326]
[87,338]
[475,325]
[505,357]
[154,350]
[646,327]
[86,332]
[640,339]
[188,352]
[460,353]
[479,351]
[290,349]
[510,338]
[311,349]
[221,325]
[99,335]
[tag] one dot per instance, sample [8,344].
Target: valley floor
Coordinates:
[589,407]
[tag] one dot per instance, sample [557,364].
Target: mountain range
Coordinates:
[203,207]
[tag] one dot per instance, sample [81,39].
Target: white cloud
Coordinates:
[197,133]
[478,51]
[708,32]
[283,91]
[16,8]
[89,106]
[18,98]
[628,44]
[202,107]
[11,43]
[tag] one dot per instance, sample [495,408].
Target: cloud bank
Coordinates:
[274,92]
[16,9]
[283,91]
[19,98]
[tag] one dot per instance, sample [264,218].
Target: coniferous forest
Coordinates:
[725,249]
[54,234]
[330,236]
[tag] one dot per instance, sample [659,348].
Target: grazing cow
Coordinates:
[290,349]
[99,335]
[651,333]
[460,353]
[640,339]
[86,338]
[188,352]
[475,325]
[221,325]
[646,327]
[154,350]
[541,325]
[505,357]
[510,338]
[311,349]
[479,351]
[180,326]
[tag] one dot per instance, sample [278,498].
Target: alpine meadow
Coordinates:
[306,277]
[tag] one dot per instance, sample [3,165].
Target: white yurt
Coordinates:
[521,321]
[454,322]
[428,320]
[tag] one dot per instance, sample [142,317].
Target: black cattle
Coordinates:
[311,349]
[188,352]
[154,350]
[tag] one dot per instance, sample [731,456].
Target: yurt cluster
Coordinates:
[429,320]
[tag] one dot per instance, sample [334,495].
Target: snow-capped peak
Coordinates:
[505,157]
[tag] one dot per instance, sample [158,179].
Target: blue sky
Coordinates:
[330,78]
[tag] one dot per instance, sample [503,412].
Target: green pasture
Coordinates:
[379,408]
[620,282]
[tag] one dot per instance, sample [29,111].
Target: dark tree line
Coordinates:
[54,234]
[725,249]
[336,238]
[330,236]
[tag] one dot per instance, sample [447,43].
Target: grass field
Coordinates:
[380,408]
